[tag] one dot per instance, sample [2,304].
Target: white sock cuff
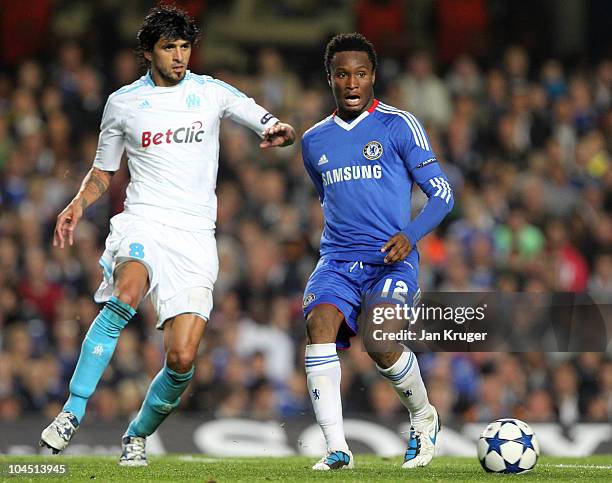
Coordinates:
[314,350]
[321,357]
[401,369]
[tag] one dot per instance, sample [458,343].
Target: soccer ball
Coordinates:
[508,446]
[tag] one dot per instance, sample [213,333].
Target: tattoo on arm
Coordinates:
[94,185]
[99,184]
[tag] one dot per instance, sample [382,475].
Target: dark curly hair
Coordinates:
[168,22]
[349,42]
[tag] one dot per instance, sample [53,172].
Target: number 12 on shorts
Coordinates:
[399,292]
[137,250]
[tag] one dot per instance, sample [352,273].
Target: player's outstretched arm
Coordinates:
[281,134]
[94,185]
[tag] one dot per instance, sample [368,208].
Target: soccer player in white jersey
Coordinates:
[163,243]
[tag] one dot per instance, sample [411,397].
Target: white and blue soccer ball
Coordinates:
[508,446]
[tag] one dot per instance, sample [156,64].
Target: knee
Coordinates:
[128,296]
[323,324]
[180,359]
[131,282]
[384,359]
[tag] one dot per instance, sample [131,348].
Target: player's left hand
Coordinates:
[398,247]
[280,134]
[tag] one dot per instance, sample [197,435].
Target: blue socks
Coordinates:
[96,352]
[162,397]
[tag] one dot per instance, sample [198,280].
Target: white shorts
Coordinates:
[182,265]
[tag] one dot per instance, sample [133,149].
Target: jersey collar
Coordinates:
[348,126]
[151,82]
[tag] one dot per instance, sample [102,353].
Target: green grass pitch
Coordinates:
[368,468]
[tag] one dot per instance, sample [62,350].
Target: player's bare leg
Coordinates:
[400,367]
[131,284]
[182,336]
[323,379]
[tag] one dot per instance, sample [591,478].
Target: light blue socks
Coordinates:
[96,352]
[162,397]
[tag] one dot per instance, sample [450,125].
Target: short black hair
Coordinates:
[168,22]
[349,42]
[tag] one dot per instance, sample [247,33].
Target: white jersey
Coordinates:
[171,136]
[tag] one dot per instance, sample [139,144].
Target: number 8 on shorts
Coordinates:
[136,250]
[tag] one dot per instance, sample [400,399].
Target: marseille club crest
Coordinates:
[373,150]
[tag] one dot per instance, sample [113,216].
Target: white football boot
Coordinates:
[335,460]
[422,442]
[133,451]
[58,434]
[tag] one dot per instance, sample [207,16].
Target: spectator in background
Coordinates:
[278,87]
[600,283]
[563,130]
[570,268]
[565,387]
[460,150]
[585,115]
[602,92]
[37,289]
[489,404]
[516,65]
[517,242]
[423,93]
[552,79]
[125,70]
[88,100]
[465,79]
[605,377]
[273,344]
[540,406]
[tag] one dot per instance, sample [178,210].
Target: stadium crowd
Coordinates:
[527,148]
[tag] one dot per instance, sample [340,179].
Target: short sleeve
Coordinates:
[239,107]
[111,142]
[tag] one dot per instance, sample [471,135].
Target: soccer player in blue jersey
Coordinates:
[363,161]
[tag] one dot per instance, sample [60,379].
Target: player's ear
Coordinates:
[147,55]
[329,79]
[373,77]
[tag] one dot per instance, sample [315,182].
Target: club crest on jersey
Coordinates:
[192,101]
[309,299]
[373,150]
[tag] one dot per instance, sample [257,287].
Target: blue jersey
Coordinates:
[363,172]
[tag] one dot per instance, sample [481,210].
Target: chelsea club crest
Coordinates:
[373,150]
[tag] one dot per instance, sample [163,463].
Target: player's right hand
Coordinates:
[66,223]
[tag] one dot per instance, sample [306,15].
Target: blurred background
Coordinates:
[516,98]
